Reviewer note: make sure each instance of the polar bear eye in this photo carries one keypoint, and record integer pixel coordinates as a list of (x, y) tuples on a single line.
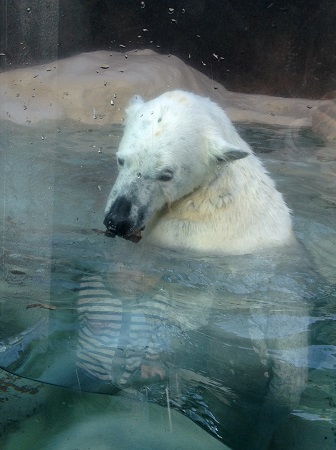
[(166, 175), (120, 161)]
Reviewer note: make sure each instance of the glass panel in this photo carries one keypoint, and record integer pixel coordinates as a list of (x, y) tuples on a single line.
[(174, 309)]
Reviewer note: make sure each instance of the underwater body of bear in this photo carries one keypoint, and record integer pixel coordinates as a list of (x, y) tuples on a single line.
[(187, 180)]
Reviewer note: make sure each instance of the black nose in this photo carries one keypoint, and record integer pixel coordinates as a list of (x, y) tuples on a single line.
[(118, 219), (119, 227)]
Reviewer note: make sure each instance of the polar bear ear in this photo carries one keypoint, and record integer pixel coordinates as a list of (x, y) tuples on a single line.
[(226, 152), (233, 155), (134, 105)]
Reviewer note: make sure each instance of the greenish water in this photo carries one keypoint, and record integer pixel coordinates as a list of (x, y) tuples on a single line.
[(243, 347)]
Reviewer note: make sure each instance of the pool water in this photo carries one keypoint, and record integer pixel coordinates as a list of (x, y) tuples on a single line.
[(103, 340)]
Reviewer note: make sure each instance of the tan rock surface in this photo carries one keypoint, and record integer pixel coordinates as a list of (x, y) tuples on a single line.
[(324, 120), (94, 88)]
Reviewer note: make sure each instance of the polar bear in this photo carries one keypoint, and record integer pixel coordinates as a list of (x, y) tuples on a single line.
[(188, 181)]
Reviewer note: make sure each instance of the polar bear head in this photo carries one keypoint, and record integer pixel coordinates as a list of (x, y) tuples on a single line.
[(171, 146)]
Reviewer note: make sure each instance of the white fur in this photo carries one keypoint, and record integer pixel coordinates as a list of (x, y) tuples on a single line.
[(220, 199)]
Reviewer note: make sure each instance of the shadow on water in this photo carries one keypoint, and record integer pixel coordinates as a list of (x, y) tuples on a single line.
[(243, 346)]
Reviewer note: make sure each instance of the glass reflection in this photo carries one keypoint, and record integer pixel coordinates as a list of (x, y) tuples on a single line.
[(227, 342)]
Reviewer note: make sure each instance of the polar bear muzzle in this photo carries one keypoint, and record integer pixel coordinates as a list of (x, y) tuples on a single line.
[(119, 221)]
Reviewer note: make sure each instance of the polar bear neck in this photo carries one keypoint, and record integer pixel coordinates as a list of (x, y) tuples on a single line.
[(239, 211)]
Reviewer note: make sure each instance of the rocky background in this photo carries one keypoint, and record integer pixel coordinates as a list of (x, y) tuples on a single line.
[(273, 47)]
